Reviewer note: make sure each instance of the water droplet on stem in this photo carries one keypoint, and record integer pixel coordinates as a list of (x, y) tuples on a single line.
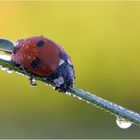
[(123, 123), (32, 82), (3, 68), (9, 71)]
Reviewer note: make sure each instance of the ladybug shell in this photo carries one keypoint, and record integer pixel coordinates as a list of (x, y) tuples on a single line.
[(39, 55)]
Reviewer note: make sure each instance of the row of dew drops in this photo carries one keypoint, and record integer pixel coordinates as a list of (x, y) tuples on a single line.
[(121, 122)]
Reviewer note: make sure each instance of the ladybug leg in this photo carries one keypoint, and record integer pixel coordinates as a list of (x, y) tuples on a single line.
[(32, 83)]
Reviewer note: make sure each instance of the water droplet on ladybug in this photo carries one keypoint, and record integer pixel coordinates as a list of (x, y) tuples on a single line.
[(123, 123)]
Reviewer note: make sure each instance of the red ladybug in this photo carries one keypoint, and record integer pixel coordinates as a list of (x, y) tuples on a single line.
[(43, 57)]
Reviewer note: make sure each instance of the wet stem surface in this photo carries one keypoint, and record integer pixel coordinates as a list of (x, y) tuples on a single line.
[(124, 116)]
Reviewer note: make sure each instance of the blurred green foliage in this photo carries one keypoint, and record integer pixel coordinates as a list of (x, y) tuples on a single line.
[(102, 39)]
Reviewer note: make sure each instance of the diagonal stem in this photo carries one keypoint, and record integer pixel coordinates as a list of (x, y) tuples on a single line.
[(88, 97), (108, 106)]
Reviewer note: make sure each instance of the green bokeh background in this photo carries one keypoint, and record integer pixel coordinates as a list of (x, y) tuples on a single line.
[(103, 40)]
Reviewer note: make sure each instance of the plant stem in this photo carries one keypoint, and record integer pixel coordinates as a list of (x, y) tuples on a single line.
[(108, 106), (99, 102)]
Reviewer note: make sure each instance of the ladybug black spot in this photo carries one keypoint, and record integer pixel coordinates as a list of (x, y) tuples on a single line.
[(35, 63), (40, 43)]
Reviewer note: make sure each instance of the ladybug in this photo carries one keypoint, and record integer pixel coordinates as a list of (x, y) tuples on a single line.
[(42, 57)]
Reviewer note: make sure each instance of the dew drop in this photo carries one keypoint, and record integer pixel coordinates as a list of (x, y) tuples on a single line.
[(9, 71), (5, 57), (33, 86), (88, 102), (73, 95), (3, 68), (79, 98), (123, 123), (68, 93), (32, 82)]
